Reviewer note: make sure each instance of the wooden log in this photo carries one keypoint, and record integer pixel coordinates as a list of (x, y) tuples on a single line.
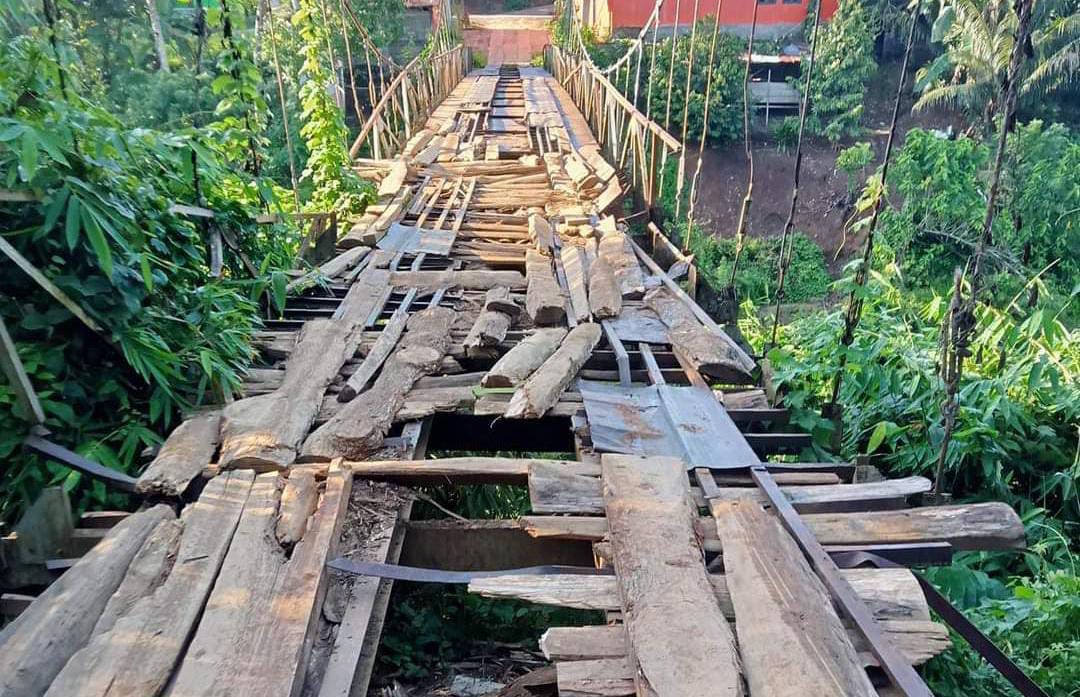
[(665, 592), (147, 571), (384, 345), (541, 390), (524, 359), (498, 299), (543, 299), (298, 501), (137, 656), (573, 261), (978, 526), (783, 614), (37, 644), (359, 426), (186, 452), (469, 280), (616, 251), (266, 431), (705, 350), (487, 331), (261, 647), (541, 234)]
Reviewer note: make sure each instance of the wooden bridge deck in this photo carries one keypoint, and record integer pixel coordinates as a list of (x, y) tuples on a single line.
[(491, 303)]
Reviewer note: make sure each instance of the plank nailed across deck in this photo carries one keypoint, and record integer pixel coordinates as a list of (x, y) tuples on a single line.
[(666, 594)]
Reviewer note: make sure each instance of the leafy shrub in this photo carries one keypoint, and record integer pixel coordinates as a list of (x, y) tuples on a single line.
[(786, 133), (808, 278), (853, 162), (845, 61), (515, 5)]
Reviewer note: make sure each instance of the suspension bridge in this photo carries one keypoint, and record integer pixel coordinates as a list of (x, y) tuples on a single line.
[(497, 303)]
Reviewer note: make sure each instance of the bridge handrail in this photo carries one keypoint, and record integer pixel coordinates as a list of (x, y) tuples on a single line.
[(421, 85), (626, 134)]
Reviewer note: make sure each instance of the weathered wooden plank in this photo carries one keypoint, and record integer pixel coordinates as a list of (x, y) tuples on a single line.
[(541, 234), (791, 641), (543, 298), (469, 280), (147, 571), (573, 261), (885, 490), (37, 644), (384, 345), (604, 677), (662, 580), (499, 300), (136, 657), (708, 352), (917, 640), (615, 249), (298, 501), (186, 452), (488, 331), (463, 470), (524, 358), (555, 488), (359, 426), (542, 389), (979, 526)]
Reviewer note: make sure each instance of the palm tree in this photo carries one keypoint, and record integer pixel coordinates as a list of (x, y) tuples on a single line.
[(978, 37)]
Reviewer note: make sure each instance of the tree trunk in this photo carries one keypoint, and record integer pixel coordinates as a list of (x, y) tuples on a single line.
[(159, 36)]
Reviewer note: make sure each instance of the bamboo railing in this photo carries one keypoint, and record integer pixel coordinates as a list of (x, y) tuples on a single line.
[(631, 141), (408, 99)]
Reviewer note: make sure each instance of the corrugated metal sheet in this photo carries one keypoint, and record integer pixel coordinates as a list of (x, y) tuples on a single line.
[(672, 420), (406, 238)]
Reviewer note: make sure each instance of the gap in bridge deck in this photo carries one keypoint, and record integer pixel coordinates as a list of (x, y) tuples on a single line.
[(465, 432)]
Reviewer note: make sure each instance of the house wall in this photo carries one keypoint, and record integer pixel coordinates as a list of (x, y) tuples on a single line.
[(774, 18)]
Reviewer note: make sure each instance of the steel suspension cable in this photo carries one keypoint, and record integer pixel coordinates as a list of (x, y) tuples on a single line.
[(670, 84), (748, 145), (862, 273), (680, 180), (961, 320), (704, 129), (787, 237)]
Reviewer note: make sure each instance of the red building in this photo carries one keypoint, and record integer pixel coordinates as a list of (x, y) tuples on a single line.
[(775, 17)]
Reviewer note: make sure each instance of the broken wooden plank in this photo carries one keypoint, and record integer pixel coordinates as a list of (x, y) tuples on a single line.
[(541, 390), (573, 261), (541, 234), (783, 614), (662, 581), (378, 354), (461, 470), (489, 330), (885, 490), (544, 300), (359, 426), (708, 352), (603, 677), (524, 358), (330, 269), (469, 280), (615, 249), (605, 298), (498, 299), (137, 656), (38, 643), (298, 501), (186, 452)]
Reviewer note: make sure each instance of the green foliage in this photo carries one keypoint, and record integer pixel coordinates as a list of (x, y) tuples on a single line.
[(1016, 436), (853, 162), (844, 62), (335, 186), (786, 133), (943, 185), (808, 278), (726, 96), (515, 5), (1036, 622)]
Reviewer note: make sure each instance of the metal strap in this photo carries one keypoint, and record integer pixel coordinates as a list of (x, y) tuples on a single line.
[(896, 666), (420, 575), (51, 450), (955, 619)]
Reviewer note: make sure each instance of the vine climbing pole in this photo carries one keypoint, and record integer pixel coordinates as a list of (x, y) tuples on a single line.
[(961, 321)]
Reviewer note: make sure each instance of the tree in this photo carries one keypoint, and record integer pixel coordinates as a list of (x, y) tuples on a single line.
[(978, 39), (845, 61), (159, 37)]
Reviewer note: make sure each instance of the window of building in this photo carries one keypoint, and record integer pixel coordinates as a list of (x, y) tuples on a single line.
[(792, 2), (766, 2)]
